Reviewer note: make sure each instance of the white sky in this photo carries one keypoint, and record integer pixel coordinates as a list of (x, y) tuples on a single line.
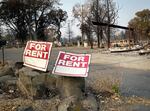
[(127, 11)]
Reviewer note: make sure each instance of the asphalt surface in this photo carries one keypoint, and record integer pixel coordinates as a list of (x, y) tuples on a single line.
[(136, 83)]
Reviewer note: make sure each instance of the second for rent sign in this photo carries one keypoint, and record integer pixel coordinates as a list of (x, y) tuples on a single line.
[(70, 64)]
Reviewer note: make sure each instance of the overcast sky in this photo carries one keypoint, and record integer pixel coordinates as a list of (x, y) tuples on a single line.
[(127, 9)]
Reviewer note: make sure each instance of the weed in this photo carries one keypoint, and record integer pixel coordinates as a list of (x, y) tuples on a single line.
[(108, 84)]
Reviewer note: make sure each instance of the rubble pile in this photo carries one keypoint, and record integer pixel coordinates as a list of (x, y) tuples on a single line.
[(8, 80), (16, 80), (147, 46), (145, 50)]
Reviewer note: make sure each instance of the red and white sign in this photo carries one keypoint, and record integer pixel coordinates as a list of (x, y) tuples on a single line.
[(70, 64), (36, 55)]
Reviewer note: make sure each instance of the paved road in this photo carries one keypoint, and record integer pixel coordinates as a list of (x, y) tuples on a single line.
[(136, 82), (16, 54)]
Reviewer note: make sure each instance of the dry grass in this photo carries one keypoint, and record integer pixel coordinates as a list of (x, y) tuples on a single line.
[(105, 84)]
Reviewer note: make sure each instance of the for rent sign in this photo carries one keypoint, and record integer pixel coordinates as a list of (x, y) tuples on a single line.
[(36, 54), (70, 64)]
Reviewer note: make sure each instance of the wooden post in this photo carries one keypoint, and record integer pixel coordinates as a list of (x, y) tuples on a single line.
[(129, 39), (3, 54)]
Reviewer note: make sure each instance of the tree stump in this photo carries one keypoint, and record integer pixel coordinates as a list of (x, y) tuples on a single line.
[(71, 86)]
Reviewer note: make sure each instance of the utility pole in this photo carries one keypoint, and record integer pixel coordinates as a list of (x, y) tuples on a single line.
[(97, 19), (30, 36), (82, 24), (69, 31), (108, 22)]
